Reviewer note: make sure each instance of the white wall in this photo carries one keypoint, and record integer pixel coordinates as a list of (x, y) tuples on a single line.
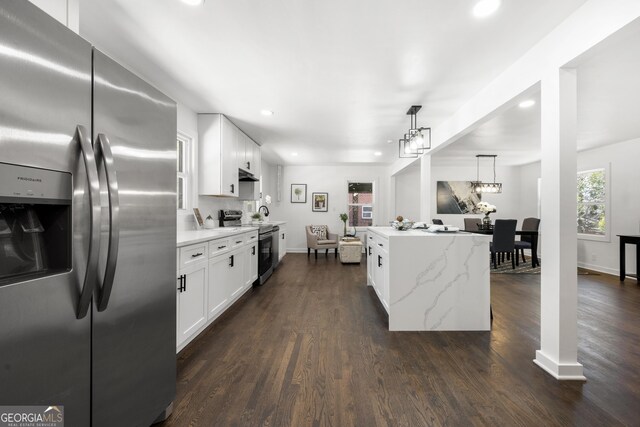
[(332, 180), (507, 202), (65, 11), (624, 211), (208, 205), (407, 197)]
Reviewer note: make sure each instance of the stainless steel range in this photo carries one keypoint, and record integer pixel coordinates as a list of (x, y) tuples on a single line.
[(233, 218)]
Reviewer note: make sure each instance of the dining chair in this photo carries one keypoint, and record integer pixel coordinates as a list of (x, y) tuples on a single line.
[(529, 224), (437, 221), (472, 224), (504, 237)]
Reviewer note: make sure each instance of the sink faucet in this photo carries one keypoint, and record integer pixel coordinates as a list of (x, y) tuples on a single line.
[(266, 210)]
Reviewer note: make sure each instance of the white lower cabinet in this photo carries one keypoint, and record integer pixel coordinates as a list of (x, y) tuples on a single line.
[(282, 245), (191, 304), (207, 287), (251, 264), (370, 257), (236, 283), (219, 276), (378, 270)]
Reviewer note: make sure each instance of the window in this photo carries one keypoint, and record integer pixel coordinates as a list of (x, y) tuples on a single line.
[(182, 157), (360, 204), (593, 204)]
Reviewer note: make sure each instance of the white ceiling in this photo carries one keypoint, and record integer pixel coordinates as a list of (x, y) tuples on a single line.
[(608, 96), (339, 75)]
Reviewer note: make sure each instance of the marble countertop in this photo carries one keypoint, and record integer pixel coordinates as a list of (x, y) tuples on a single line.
[(392, 232), (189, 237)]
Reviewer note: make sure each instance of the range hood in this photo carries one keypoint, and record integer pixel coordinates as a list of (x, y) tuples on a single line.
[(246, 176)]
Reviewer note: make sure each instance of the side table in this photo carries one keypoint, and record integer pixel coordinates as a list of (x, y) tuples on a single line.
[(624, 241)]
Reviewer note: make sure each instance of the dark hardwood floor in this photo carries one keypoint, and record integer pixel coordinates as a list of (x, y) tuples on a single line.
[(312, 347)]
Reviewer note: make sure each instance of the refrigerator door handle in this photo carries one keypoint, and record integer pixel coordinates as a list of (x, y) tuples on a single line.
[(104, 146), (81, 137)]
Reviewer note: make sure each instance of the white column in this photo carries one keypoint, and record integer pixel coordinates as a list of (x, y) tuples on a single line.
[(391, 209), (425, 188), (559, 284)]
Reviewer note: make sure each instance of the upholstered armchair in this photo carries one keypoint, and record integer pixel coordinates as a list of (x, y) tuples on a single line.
[(319, 237)]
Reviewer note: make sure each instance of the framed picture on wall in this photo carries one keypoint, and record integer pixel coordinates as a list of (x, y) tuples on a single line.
[(320, 202), (298, 193)]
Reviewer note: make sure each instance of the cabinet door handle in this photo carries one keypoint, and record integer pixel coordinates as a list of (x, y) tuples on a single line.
[(233, 190), (248, 165), (180, 281), (369, 250), (231, 261), (379, 261), (282, 236), (380, 244), (197, 255), (222, 247), (238, 242), (253, 250)]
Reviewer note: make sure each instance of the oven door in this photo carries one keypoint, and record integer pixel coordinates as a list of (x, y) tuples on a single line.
[(265, 246)]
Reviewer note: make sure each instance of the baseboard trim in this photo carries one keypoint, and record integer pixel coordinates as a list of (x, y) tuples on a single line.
[(601, 269), (563, 372)]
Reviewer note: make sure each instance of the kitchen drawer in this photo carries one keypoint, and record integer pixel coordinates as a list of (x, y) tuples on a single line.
[(219, 246), (251, 237), (237, 241), (193, 253)]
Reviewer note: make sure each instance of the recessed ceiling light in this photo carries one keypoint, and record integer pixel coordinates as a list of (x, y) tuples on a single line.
[(389, 141), (266, 112), (528, 103), (377, 153), (484, 8), (294, 154), (193, 2)]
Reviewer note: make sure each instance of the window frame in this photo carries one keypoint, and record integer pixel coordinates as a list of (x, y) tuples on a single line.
[(186, 174), (373, 203), (606, 237)]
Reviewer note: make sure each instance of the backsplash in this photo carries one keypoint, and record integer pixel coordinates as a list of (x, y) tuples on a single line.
[(210, 205)]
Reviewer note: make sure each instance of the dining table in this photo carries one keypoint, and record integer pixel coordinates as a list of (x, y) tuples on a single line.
[(535, 262)]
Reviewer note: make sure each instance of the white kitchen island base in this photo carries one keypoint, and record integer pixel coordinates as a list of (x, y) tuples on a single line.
[(430, 281)]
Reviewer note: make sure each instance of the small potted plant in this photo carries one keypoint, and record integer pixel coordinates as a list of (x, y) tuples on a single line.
[(256, 218), (209, 222), (344, 218)]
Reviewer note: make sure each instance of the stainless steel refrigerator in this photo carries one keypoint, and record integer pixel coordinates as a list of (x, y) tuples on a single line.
[(87, 228)]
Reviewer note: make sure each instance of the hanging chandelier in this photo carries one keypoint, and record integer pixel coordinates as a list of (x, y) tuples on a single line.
[(486, 187), (417, 140)]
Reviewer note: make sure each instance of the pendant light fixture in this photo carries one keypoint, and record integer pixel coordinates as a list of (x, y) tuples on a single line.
[(486, 187), (417, 140)]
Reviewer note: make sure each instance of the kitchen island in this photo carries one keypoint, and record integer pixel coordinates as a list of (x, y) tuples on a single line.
[(430, 281)]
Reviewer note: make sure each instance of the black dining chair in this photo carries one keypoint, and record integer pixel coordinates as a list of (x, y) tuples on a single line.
[(529, 224), (504, 237), (437, 221), (472, 224)]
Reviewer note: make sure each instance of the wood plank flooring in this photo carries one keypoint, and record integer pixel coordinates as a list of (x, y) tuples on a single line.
[(311, 348)]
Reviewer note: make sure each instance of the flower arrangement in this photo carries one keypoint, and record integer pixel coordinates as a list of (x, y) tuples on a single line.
[(402, 223), (486, 208)]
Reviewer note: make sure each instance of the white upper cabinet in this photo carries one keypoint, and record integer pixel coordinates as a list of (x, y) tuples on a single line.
[(223, 149), (217, 156), (248, 155)]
